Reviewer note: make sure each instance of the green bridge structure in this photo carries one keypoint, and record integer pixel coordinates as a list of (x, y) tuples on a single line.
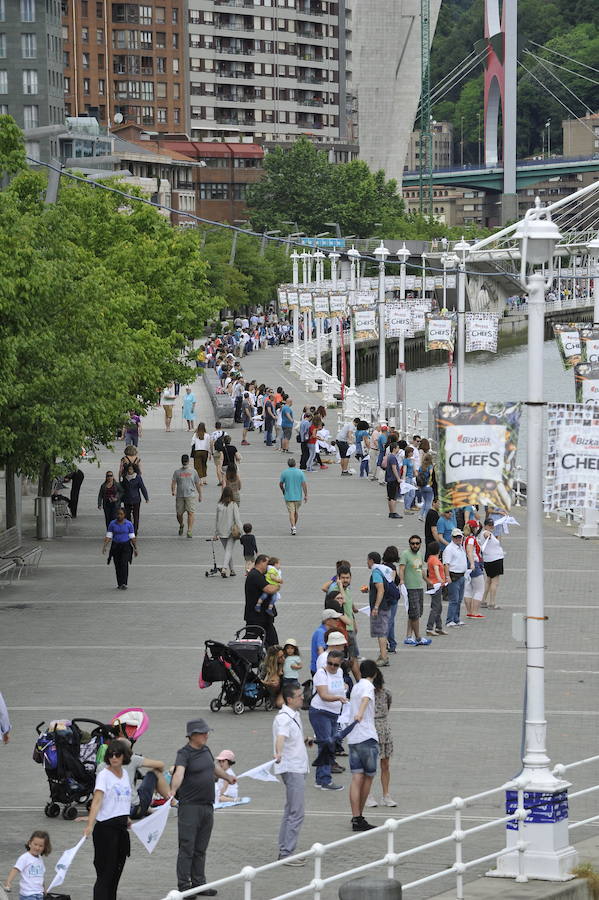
[(490, 177)]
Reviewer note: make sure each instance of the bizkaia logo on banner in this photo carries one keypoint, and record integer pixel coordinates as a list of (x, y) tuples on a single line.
[(579, 452), (474, 452)]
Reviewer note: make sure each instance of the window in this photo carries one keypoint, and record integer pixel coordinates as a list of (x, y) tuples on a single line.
[(3, 107), (175, 40), (84, 11), (147, 90), (176, 91), (146, 40), (30, 81), (175, 16), (145, 15), (85, 60), (27, 10), (161, 116), (239, 191), (210, 191), (85, 34), (99, 10), (176, 116), (65, 59), (161, 65), (175, 67), (101, 86), (147, 114), (32, 149), (161, 39), (86, 85), (100, 61), (3, 81), (160, 12), (161, 90), (28, 46), (67, 84), (99, 35), (2, 19), (31, 116)]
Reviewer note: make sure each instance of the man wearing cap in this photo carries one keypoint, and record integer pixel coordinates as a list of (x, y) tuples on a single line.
[(319, 643), (193, 785), (291, 763), (455, 563)]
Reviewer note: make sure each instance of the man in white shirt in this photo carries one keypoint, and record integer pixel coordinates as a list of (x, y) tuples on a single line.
[(455, 563), (345, 437), (291, 763), (363, 744)]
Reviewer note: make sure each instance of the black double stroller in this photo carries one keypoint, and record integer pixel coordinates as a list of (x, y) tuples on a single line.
[(236, 666)]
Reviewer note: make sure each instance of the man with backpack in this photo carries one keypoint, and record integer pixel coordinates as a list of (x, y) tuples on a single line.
[(378, 587)]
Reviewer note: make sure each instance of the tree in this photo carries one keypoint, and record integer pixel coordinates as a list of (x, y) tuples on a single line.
[(12, 147)]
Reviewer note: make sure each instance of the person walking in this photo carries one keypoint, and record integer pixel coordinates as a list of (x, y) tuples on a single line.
[(168, 401), (133, 429), (109, 497), (185, 483), (363, 743), (392, 479), (108, 819), (121, 537), (228, 528), (133, 489), (455, 563), (286, 424), (345, 437), (256, 585), (291, 763), (200, 452), (189, 406), (424, 482), (493, 555), (270, 418), (304, 430), (294, 488), (382, 706), (379, 606), (192, 784), (216, 449), (130, 457)]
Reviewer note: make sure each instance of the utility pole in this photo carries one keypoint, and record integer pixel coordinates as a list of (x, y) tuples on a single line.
[(425, 160)]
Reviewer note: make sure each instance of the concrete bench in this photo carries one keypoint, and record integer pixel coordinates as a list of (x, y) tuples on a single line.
[(222, 404)]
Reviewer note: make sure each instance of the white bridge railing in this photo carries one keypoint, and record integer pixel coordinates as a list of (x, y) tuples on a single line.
[(390, 858)]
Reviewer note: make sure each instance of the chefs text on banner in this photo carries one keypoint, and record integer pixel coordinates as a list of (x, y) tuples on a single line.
[(481, 332), (586, 381), (439, 331), (305, 302), (321, 306), (589, 344), (292, 298), (568, 342), (398, 319), (338, 304), (572, 456), (477, 453), (365, 323)]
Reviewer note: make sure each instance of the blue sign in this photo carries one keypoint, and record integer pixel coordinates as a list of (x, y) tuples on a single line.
[(544, 808), (331, 243)]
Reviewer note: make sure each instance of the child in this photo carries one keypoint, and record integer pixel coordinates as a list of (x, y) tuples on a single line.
[(293, 661), (250, 548), (30, 866), (225, 791), (273, 576), (435, 574)]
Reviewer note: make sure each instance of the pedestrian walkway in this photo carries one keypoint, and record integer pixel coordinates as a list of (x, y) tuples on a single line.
[(71, 644)]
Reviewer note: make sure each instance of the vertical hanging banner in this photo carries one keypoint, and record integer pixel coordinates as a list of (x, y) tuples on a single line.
[(365, 323), (321, 306), (398, 320), (283, 304), (586, 381), (481, 332), (589, 344), (338, 304), (439, 332), (305, 301), (364, 298), (477, 444), (568, 342), (292, 299), (572, 456), (419, 309)]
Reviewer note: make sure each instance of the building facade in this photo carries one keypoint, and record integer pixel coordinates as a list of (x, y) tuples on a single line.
[(268, 70), (581, 136), (31, 74), (126, 60), (442, 147)]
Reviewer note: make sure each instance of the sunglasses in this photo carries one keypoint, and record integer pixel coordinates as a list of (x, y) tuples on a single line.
[(115, 753), (415, 543), (333, 665)]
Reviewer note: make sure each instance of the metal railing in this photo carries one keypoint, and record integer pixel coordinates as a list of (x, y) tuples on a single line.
[(390, 859)]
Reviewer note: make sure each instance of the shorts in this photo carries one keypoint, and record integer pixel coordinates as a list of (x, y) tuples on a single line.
[(342, 447), (287, 433), (250, 559), (392, 488), (185, 504), (379, 624), (217, 457), (247, 423), (293, 505), (415, 603), (168, 412), (363, 757), (352, 647), (493, 569), (475, 588)]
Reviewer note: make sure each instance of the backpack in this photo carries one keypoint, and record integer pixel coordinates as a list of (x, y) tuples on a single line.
[(392, 593), (219, 443), (422, 478)]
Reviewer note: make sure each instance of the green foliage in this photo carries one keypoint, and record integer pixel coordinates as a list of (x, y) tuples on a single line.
[(12, 147)]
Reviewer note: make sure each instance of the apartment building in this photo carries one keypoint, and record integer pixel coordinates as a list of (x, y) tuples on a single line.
[(442, 147), (126, 62), (31, 79), (269, 70)]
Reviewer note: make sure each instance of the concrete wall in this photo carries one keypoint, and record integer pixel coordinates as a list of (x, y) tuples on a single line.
[(386, 76)]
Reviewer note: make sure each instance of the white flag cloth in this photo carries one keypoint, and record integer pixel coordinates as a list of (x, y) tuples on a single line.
[(435, 588), (403, 592), (365, 610), (62, 866), (261, 773), (149, 830), (405, 487), (504, 522), (226, 804)]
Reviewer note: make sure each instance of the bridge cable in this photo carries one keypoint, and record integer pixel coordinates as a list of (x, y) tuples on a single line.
[(563, 55), (566, 69), (541, 62), (555, 97)]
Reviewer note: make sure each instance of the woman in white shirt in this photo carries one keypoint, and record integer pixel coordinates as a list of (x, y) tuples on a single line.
[(108, 819), (493, 555), (325, 708), (200, 452)]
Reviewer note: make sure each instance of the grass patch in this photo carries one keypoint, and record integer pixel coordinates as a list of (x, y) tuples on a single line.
[(588, 871)]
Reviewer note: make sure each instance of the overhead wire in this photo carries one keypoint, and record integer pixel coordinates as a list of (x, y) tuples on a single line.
[(461, 71)]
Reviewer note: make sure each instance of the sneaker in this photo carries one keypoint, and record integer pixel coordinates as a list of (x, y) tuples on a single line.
[(395, 516), (478, 616), (336, 769), (293, 529), (411, 642), (450, 624), (359, 823), (431, 632), (232, 573), (381, 663), (459, 624), (423, 642), (245, 443), (371, 803), (180, 530), (439, 631), (324, 467), (471, 616), (408, 512), (346, 473), (331, 786), (189, 534), (298, 861), (391, 649), (388, 801)]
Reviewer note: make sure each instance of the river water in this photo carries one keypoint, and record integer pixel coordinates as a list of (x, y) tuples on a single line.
[(489, 376)]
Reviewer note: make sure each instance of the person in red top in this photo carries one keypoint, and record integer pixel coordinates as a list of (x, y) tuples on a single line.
[(475, 587), (435, 575), (315, 425)]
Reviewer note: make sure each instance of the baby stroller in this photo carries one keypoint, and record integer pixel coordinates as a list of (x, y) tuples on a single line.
[(236, 665), (68, 754)]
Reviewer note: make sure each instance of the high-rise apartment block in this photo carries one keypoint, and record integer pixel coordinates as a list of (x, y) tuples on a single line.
[(31, 77), (126, 59), (269, 69)]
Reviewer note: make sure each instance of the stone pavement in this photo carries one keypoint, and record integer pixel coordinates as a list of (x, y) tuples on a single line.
[(71, 646)]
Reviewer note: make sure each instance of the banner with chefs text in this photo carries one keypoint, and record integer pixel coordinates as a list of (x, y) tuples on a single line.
[(439, 333), (567, 336), (481, 332), (572, 456), (365, 323), (477, 453), (321, 306), (398, 319), (586, 382), (589, 344)]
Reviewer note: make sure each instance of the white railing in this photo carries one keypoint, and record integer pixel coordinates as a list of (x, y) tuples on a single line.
[(390, 859), (552, 306), (567, 517)]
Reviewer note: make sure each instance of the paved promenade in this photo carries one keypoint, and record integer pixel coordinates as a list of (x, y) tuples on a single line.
[(71, 645)]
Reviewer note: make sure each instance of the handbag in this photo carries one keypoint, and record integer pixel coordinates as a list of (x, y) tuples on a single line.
[(235, 531)]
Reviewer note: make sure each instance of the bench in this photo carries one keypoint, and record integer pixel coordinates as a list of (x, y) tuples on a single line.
[(14, 558)]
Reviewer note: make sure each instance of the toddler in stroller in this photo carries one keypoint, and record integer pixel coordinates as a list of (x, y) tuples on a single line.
[(236, 666)]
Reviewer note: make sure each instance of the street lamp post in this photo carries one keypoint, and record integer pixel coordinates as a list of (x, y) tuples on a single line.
[(547, 854), (334, 259), (319, 258), (589, 527), (403, 254), (381, 254), (307, 316), (264, 238), (295, 258), (354, 259), (423, 290), (461, 249)]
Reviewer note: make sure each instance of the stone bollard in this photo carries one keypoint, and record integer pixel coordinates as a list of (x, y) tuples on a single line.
[(371, 887)]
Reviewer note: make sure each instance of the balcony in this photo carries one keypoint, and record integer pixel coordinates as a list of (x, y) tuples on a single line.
[(310, 79), (235, 26), (305, 31), (238, 50), (237, 73), (243, 4), (310, 9)]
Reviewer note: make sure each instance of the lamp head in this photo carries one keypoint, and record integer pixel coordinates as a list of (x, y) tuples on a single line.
[(295, 256), (334, 256), (538, 236), (381, 253), (353, 254), (403, 254), (318, 255), (462, 248)]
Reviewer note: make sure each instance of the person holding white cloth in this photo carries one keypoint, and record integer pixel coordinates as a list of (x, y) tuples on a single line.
[(493, 555), (456, 565), (291, 763)]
